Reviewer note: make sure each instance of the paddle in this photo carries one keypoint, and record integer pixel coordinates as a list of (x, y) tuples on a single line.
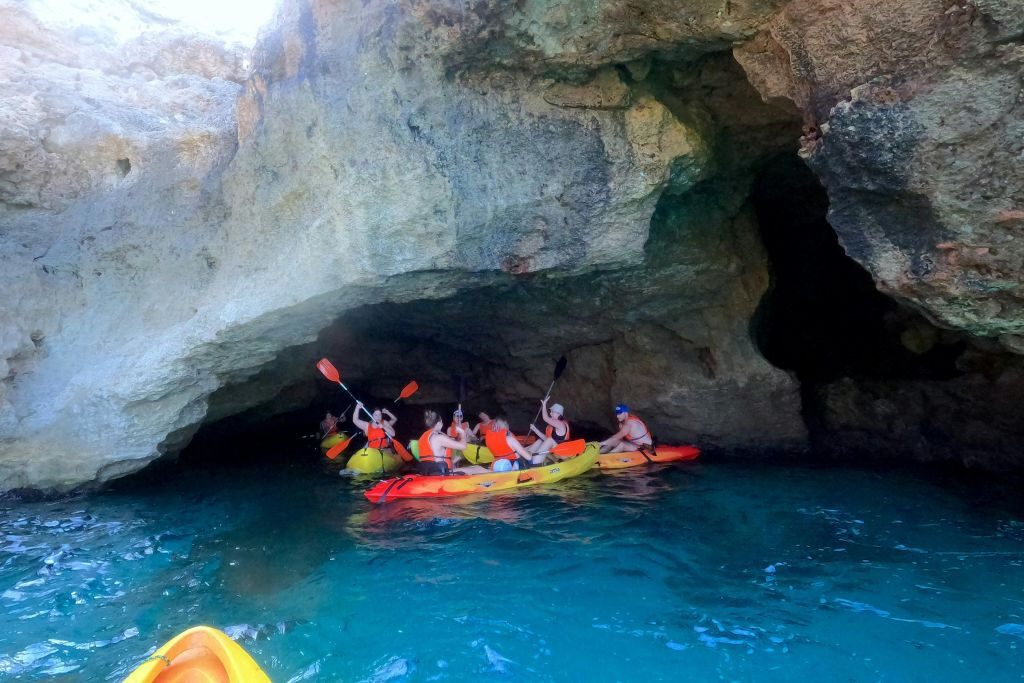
[(568, 449), (328, 370), (559, 369)]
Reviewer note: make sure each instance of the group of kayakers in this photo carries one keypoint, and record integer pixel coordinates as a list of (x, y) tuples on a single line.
[(440, 449)]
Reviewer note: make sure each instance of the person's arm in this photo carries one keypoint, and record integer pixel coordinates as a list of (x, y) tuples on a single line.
[(544, 413), (455, 444), (391, 417), (514, 444), (388, 429), (361, 424), (539, 433), (617, 436)]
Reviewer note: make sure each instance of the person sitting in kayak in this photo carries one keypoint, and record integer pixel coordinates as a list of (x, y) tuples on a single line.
[(508, 452), (484, 426), (380, 431), (557, 431), (458, 420), (435, 447), (633, 433), (329, 425)]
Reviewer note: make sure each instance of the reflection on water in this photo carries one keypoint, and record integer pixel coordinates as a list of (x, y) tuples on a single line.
[(708, 570)]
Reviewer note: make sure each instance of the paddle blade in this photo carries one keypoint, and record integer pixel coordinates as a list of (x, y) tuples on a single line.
[(402, 451), (410, 389), (335, 450), (328, 370), (560, 366), (569, 448)]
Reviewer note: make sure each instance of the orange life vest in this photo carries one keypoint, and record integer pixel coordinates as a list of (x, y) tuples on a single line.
[(634, 439), (427, 453), (550, 433), (497, 443), (376, 437), (455, 435)]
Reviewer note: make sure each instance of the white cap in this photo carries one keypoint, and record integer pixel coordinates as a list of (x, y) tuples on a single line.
[(557, 408)]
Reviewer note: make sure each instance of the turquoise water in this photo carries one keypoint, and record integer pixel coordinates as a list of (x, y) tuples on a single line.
[(707, 571)]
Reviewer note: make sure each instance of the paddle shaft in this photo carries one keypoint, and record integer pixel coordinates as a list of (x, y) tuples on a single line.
[(546, 397)]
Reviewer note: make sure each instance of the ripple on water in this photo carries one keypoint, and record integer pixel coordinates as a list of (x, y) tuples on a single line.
[(722, 571)]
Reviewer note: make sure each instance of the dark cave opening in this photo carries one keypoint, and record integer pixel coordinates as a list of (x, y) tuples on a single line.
[(822, 317)]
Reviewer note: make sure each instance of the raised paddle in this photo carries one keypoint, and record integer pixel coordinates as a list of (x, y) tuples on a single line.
[(559, 369), (409, 389), (328, 370)]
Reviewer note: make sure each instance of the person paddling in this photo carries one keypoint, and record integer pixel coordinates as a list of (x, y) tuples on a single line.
[(506, 448), (557, 430), (380, 431), (633, 434), (329, 425), (436, 448)]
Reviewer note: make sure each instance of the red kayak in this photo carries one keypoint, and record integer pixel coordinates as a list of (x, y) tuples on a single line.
[(617, 461)]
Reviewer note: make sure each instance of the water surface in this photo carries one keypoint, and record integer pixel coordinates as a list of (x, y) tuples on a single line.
[(723, 571)]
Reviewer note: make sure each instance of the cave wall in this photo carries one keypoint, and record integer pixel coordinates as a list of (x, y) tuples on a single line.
[(497, 183)]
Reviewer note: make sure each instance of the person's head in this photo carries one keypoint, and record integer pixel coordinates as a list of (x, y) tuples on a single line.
[(328, 416), (484, 417), (621, 412), (499, 423), (431, 419), (458, 416), (377, 415), (557, 410)]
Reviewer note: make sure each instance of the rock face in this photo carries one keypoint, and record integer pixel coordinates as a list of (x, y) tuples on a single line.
[(916, 129), (443, 189)]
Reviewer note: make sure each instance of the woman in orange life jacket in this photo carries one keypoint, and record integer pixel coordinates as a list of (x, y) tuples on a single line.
[(506, 447), (457, 423), (380, 430), (633, 434), (557, 431), (484, 426), (436, 447)]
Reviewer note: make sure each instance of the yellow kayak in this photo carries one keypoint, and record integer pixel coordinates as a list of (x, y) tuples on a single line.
[(199, 655), (373, 461), (332, 439), (474, 453), (416, 486), (478, 455)]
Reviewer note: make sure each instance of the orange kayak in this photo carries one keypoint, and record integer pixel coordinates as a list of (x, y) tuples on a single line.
[(418, 486), (617, 461)]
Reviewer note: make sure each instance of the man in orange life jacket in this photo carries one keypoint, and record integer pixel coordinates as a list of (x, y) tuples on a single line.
[(380, 431), (633, 433)]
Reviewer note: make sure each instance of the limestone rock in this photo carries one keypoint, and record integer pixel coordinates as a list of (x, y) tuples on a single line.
[(915, 126)]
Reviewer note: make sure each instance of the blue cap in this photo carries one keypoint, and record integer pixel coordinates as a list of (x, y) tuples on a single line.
[(621, 408)]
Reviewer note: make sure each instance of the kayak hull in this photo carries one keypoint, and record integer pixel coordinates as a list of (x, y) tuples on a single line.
[(417, 486), (199, 655), (332, 439), (618, 461), (373, 461), (478, 455)]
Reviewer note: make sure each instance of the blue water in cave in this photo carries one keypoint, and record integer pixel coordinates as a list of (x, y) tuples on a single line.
[(708, 570)]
